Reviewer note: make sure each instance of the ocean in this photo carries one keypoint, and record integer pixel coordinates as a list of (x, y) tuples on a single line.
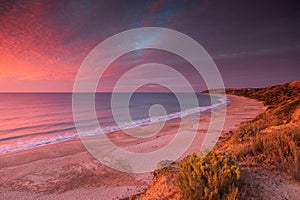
[(29, 120)]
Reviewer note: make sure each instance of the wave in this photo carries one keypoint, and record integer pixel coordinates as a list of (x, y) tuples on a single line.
[(37, 142)]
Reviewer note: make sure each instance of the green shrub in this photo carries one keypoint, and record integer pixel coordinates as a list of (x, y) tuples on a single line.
[(212, 177), (164, 168), (165, 164)]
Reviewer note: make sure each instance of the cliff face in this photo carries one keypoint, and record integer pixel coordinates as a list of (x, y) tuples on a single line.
[(282, 100), (271, 95), (281, 119), (271, 141), (268, 147)]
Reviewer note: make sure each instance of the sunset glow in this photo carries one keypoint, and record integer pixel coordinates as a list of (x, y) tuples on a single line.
[(44, 43)]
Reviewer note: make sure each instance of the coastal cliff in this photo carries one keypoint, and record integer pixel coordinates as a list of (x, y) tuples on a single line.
[(265, 150)]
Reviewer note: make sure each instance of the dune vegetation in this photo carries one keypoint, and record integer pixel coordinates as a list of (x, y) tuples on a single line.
[(272, 139), (213, 176), (270, 142)]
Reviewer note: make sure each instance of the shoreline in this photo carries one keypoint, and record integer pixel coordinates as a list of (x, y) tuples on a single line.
[(169, 119), (65, 170)]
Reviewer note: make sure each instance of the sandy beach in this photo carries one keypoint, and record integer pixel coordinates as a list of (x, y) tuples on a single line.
[(67, 171)]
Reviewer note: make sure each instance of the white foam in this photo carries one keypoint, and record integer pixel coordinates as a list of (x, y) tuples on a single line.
[(37, 142)]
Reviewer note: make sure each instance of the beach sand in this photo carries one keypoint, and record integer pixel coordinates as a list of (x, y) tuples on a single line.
[(67, 171)]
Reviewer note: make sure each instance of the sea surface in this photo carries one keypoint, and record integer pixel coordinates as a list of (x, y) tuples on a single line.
[(29, 120)]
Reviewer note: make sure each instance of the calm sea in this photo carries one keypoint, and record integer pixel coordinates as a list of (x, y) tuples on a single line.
[(29, 120)]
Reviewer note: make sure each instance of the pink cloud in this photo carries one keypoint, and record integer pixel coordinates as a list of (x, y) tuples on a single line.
[(154, 8)]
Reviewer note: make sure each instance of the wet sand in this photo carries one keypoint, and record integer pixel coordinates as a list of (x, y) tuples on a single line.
[(67, 170)]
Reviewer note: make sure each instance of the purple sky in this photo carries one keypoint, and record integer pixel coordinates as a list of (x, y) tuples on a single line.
[(43, 43)]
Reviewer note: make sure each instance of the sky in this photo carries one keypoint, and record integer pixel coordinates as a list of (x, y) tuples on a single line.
[(43, 43)]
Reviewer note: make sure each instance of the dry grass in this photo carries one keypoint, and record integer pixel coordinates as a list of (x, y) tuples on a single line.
[(278, 148), (272, 139)]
